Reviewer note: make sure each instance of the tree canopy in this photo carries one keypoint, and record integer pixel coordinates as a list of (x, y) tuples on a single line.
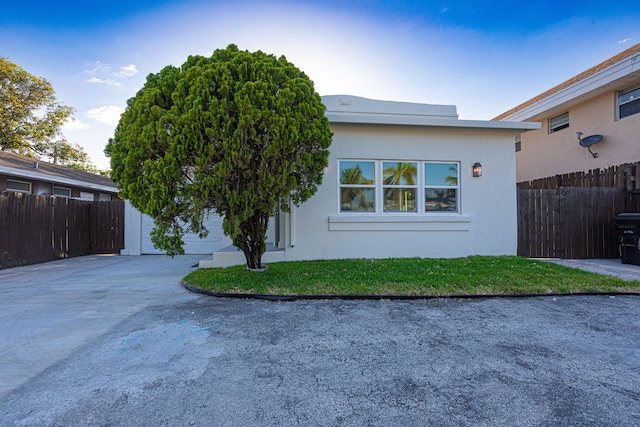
[(31, 118), (239, 133)]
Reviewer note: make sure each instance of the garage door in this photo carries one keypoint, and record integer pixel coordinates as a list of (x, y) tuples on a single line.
[(192, 244)]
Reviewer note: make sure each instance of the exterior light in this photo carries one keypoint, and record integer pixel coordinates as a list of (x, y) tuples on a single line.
[(477, 169)]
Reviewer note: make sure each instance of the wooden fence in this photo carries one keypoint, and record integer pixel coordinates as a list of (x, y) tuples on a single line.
[(571, 215), (35, 229)]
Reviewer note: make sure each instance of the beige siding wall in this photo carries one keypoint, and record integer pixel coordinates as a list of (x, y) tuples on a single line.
[(545, 154)]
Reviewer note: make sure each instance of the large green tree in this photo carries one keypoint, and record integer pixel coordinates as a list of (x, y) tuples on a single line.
[(31, 118), (239, 133)]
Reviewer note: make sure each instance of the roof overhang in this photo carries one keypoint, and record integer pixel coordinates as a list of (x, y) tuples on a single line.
[(21, 173), (613, 77)]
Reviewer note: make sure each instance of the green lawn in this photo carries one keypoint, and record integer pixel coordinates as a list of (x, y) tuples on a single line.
[(477, 275)]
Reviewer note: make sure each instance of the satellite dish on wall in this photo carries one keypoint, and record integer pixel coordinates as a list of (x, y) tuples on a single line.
[(588, 141)]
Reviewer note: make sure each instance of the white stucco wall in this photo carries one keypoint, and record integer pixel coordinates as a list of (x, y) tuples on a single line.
[(485, 225), (137, 239), (486, 221)]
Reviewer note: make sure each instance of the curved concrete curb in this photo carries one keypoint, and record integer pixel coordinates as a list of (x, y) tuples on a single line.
[(389, 297)]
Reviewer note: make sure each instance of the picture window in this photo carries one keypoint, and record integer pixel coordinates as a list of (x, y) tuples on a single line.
[(396, 186)]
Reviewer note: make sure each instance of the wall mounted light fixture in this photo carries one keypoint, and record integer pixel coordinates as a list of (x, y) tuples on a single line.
[(477, 169)]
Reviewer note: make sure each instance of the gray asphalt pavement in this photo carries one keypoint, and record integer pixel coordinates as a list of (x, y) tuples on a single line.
[(115, 341)]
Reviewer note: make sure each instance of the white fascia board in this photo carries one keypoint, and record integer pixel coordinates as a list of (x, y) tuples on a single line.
[(414, 120), (581, 88), (21, 173)]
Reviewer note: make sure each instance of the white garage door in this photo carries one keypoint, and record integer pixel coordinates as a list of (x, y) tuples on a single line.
[(192, 244)]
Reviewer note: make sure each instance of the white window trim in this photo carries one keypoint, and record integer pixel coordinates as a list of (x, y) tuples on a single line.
[(420, 190), (20, 182), (618, 104)]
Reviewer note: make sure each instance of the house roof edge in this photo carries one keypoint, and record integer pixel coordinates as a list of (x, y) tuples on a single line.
[(357, 110), (581, 77), (21, 173)]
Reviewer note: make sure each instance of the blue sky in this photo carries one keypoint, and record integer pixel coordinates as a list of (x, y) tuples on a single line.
[(485, 57)]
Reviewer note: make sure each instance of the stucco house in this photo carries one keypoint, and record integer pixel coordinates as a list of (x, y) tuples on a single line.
[(401, 183), (603, 101), (24, 174)]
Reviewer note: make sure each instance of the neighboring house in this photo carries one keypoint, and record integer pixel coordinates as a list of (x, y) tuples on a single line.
[(24, 174), (400, 183), (27, 175), (602, 101)]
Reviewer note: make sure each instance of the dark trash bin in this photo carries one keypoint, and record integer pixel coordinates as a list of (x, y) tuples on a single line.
[(628, 225)]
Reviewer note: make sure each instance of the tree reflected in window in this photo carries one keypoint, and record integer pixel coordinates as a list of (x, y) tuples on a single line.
[(401, 187), (357, 186), (399, 183), (441, 187)]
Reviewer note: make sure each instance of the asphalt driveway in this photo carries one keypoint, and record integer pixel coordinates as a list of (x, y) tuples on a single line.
[(102, 341)]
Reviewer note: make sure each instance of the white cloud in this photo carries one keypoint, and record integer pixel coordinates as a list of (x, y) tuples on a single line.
[(98, 68), (74, 124), (100, 73), (128, 70), (623, 41), (104, 81), (109, 114)]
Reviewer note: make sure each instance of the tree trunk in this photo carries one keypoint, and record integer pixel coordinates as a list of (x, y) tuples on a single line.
[(254, 260), (253, 231)]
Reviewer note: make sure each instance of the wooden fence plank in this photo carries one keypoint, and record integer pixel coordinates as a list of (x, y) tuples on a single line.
[(577, 220), (107, 232), (569, 222), (35, 229)]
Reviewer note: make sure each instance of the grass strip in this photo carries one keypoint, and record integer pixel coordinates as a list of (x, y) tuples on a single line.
[(476, 275)]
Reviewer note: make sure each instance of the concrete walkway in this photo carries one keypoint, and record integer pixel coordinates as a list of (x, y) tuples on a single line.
[(47, 311), (609, 267)]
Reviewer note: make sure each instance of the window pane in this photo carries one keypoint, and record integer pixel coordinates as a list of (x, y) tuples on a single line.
[(399, 173), (357, 173), (441, 174), (18, 186), (631, 95), (559, 122), (440, 200), (400, 200), (357, 199), (60, 191), (630, 108)]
